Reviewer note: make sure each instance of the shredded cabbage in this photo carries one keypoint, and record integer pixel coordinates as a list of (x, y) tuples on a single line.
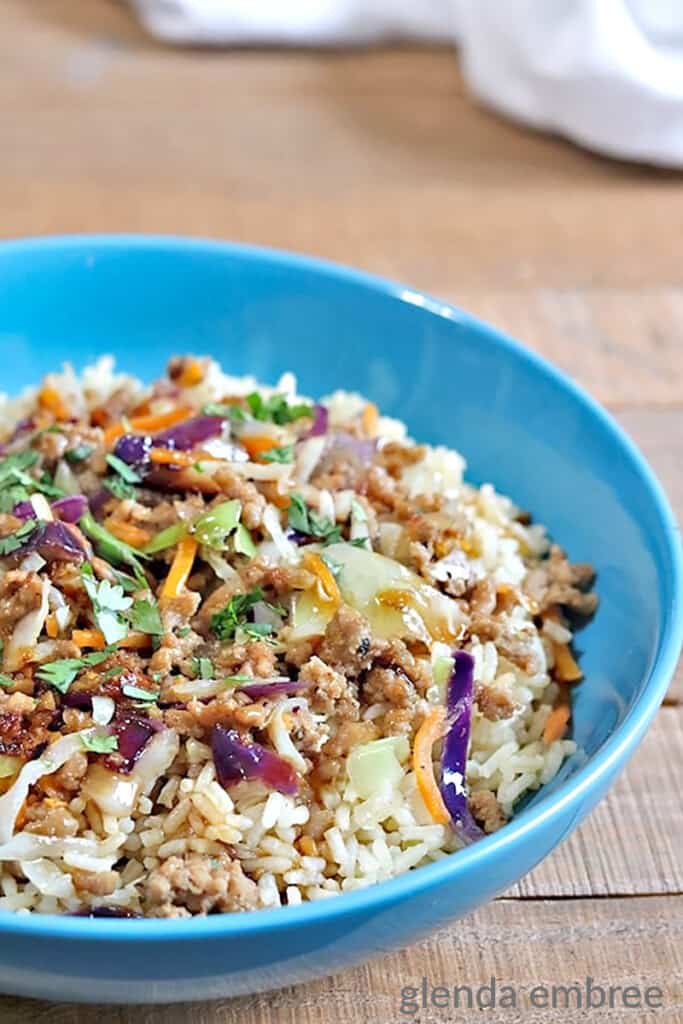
[(377, 765), (52, 759)]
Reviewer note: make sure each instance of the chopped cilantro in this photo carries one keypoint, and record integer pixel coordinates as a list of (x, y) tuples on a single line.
[(47, 487), (111, 673), (138, 693), (62, 673), (11, 496), (359, 542), (6, 681), (228, 410), (119, 488), (238, 680), (283, 454), (305, 520), (257, 630), (276, 409), (79, 454), (144, 615), (99, 744), (108, 600), (184, 631), (13, 468), (18, 538), (225, 622)]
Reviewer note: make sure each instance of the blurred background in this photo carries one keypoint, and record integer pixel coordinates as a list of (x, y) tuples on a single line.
[(378, 156)]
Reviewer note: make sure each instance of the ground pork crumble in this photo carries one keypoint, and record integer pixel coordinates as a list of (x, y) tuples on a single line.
[(217, 599)]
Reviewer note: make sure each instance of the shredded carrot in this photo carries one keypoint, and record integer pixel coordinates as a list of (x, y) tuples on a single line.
[(51, 627), (181, 567), (556, 723), (430, 731), (370, 419), (566, 669), (315, 564), (141, 409), (94, 638), (256, 444), (169, 457), (49, 398), (148, 424), (129, 533), (192, 374), (88, 638)]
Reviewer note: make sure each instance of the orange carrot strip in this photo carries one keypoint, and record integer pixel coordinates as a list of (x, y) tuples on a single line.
[(49, 398), (169, 457), (430, 731), (370, 419), (88, 638), (180, 568), (315, 564), (566, 669), (557, 723), (51, 627), (256, 444), (148, 424), (192, 374), (135, 641), (129, 533)]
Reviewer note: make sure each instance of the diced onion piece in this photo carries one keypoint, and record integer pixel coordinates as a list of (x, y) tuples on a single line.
[(41, 507), (48, 878), (33, 562), (271, 521), (377, 765), (114, 793), (51, 759), (155, 759), (20, 645), (9, 765), (279, 733), (102, 710), (308, 455)]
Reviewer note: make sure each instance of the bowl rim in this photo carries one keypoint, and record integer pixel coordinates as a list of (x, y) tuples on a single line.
[(610, 757)]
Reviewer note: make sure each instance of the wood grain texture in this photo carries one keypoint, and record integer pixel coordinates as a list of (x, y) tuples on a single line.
[(555, 942), (380, 159)]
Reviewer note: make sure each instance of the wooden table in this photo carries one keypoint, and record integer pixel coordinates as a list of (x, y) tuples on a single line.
[(380, 159)]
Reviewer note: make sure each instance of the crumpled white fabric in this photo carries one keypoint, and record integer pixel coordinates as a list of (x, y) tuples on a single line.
[(606, 73)]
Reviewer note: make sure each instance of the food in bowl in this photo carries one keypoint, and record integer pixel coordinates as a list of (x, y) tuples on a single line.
[(256, 649)]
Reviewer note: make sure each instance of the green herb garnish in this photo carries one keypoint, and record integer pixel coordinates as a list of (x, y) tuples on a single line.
[(6, 681), (99, 744), (303, 519), (108, 600), (225, 623), (62, 673), (79, 454), (213, 527), (257, 630), (144, 615), (276, 409), (137, 693), (18, 538), (165, 538), (111, 548), (283, 454), (203, 668), (233, 412)]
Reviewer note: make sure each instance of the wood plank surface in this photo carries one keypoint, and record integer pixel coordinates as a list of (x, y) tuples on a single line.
[(380, 159), (549, 942)]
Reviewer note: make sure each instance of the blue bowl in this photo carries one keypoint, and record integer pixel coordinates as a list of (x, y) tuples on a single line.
[(455, 380)]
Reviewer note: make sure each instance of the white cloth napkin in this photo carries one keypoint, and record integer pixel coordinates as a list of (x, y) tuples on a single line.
[(606, 73)]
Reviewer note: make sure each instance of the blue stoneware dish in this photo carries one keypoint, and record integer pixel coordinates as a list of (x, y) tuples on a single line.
[(521, 424)]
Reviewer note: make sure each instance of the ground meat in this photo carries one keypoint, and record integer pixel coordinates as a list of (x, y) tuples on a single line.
[(394, 654), (8, 524), (557, 581), (280, 578), (97, 883), (50, 817), (255, 658), (253, 502), (67, 780), (20, 593), (482, 597), (389, 495), (24, 725), (493, 704), (332, 693), (486, 810), (347, 644), (196, 883), (516, 645), (215, 602), (394, 456), (177, 611)]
